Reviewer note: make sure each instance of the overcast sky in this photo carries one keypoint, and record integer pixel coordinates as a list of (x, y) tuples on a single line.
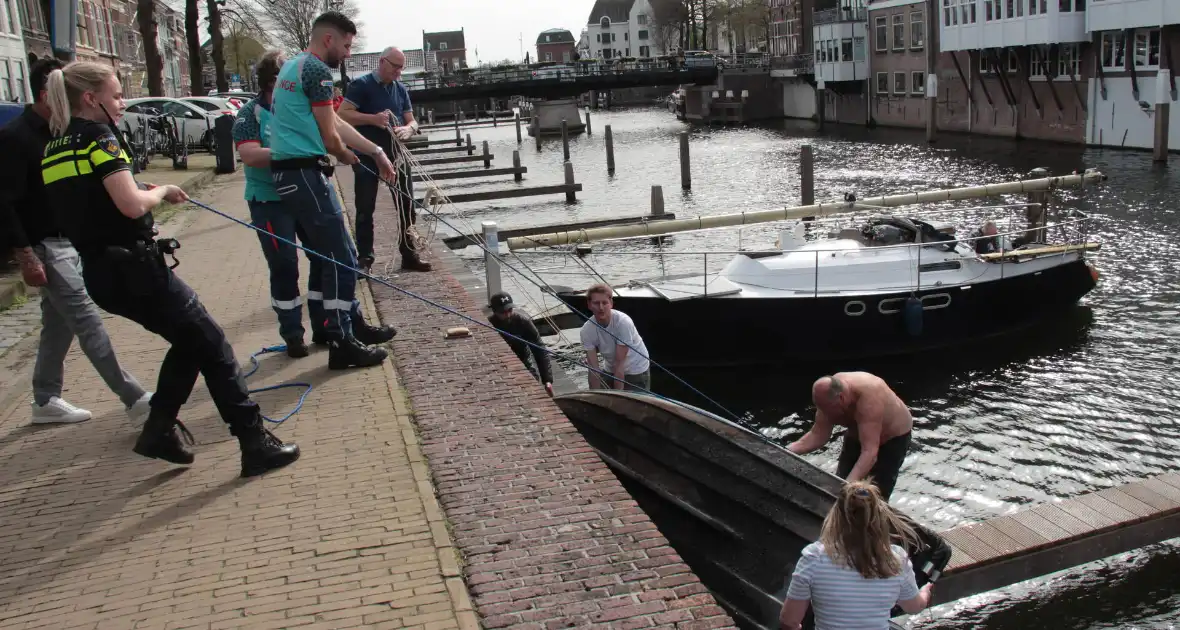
[(494, 28)]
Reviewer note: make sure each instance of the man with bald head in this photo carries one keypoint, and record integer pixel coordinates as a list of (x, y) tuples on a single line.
[(378, 105), (878, 422)]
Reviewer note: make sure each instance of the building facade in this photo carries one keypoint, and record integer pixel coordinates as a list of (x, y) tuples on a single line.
[(556, 44), (1015, 68), (34, 20), (1133, 71), (791, 57), (622, 28), (449, 48), (14, 69), (897, 48)]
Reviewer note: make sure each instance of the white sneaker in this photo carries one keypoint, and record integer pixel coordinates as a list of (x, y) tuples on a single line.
[(58, 411), (138, 411)]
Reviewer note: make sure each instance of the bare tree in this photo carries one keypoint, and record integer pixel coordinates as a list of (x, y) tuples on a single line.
[(192, 33), (146, 16), (217, 45), (668, 24), (290, 20)]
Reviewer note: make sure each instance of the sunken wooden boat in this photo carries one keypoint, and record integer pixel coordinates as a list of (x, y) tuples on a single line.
[(737, 507)]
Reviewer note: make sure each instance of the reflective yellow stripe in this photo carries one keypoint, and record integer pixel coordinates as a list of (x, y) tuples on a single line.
[(57, 157), (66, 169), (100, 157)]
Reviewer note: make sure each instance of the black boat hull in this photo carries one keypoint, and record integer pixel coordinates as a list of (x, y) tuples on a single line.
[(755, 331), (737, 508)]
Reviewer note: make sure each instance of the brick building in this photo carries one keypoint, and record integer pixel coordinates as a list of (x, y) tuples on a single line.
[(449, 48), (898, 47), (556, 44)]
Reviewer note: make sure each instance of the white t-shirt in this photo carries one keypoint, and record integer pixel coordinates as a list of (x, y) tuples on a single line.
[(624, 331), (842, 598)]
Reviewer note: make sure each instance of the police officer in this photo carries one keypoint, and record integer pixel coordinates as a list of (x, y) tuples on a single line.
[(378, 105), (304, 128), (108, 218), (267, 213)]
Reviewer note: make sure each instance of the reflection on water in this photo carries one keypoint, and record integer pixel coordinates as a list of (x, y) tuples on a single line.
[(1085, 402)]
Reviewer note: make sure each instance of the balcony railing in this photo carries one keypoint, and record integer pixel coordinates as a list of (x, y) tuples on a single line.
[(831, 16), (799, 63)]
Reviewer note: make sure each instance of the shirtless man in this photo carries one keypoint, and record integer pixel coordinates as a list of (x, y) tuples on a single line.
[(878, 422)]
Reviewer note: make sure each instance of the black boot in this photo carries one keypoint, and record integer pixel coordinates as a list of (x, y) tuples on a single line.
[(261, 450), (166, 439), (319, 338), (296, 349), (348, 352), (371, 335), (365, 263)]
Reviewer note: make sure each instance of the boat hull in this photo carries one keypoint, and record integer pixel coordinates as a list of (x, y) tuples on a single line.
[(736, 330), (737, 508)]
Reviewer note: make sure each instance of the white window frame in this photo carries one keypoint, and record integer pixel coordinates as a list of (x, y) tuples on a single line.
[(882, 43), (1038, 63), (898, 20), (917, 30), (985, 64), (882, 75), (914, 87), (968, 11), (950, 17), (1069, 63), (1142, 42), (1118, 48), (902, 90)]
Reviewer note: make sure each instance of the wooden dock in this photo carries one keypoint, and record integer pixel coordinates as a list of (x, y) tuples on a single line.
[(457, 160), (1055, 536), (491, 172)]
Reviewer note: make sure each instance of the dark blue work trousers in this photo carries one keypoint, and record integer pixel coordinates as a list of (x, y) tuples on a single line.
[(283, 261), (309, 197)]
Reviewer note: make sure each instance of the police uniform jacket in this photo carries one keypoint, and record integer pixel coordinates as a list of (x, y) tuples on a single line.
[(73, 169)]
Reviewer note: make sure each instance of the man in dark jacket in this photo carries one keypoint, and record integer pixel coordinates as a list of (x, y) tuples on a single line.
[(506, 320)]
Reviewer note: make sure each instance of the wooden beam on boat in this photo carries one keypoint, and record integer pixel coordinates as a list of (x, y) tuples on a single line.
[(415, 144), (464, 240), (511, 193), (456, 160), (1056, 536), (1041, 251), (661, 228), (469, 149), (508, 170)]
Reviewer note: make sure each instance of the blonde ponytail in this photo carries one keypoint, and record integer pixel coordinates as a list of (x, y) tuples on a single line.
[(65, 88), (58, 102)]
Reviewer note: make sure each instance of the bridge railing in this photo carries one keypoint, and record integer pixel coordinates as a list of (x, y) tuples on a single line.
[(564, 71), (800, 63)]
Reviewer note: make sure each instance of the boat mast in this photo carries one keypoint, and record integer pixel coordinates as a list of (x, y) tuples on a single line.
[(659, 228)]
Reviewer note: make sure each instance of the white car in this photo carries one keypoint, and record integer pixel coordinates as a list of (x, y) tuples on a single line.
[(194, 122), (215, 104)]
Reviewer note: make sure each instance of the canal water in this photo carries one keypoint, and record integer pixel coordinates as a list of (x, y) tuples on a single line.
[(1086, 402)]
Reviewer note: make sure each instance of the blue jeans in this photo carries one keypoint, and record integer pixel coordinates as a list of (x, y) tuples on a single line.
[(283, 261), (309, 197)]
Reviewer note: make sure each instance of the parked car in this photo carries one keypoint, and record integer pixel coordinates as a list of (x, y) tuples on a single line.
[(193, 122), (217, 105), (238, 97)]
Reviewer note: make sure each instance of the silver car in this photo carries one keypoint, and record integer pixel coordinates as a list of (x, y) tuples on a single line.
[(193, 122)]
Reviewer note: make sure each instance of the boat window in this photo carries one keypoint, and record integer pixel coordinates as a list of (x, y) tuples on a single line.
[(891, 306), (854, 308), (935, 301), (946, 265)]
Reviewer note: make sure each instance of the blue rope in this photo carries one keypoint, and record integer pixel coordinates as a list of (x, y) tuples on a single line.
[(269, 388), (442, 307), (394, 190)]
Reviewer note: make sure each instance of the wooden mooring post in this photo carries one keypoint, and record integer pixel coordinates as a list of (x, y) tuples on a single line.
[(519, 139), (685, 171), (657, 201), (610, 150), (430, 117), (487, 155), (588, 131), (518, 172), (807, 175), (570, 196), (491, 262), (565, 139), (458, 134), (537, 134)]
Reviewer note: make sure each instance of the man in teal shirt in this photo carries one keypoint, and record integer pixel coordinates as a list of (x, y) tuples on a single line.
[(303, 130), (267, 214)]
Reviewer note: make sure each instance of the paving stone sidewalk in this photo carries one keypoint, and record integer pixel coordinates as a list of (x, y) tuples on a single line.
[(94, 536)]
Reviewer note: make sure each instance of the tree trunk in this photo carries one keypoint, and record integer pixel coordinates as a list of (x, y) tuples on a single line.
[(192, 32), (146, 10), (217, 45)]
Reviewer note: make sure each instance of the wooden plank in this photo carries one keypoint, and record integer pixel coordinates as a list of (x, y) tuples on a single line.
[(455, 160), (1095, 502), (1129, 503), (459, 242), (1166, 490), (1019, 532), (511, 193), (1172, 479), (1040, 525), (963, 538), (1147, 495), (469, 150), (1059, 517), (487, 172), (414, 144), (1091, 517)]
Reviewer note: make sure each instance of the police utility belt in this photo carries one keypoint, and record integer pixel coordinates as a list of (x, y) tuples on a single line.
[(146, 250), (320, 162)]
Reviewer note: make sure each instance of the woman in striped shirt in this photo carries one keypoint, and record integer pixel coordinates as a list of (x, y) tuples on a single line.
[(854, 574)]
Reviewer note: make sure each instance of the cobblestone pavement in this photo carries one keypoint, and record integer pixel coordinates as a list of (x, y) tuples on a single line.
[(18, 321)]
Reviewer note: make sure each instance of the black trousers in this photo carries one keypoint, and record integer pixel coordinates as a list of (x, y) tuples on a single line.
[(889, 459), (367, 185), (148, 293)]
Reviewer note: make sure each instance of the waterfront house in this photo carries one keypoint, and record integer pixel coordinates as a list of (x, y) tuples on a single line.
[(556, 44), (898, 42)]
